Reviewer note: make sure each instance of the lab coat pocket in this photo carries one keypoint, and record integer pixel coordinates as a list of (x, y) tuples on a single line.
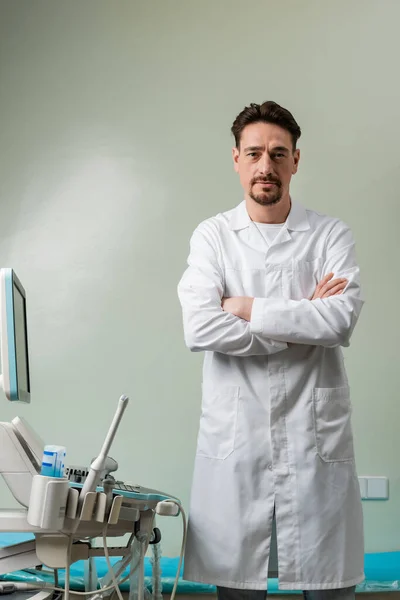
[(307, 275), (218, 421), (332, 424)]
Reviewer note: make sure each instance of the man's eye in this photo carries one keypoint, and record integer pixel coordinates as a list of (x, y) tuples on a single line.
[(252, 154)]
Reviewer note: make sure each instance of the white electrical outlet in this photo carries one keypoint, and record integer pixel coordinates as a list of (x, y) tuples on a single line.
[(378, 488), (374, 488)]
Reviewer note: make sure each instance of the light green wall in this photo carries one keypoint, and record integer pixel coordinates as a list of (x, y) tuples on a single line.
[(115, 144)]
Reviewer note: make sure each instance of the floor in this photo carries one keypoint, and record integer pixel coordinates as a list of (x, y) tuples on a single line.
[(365, 596)]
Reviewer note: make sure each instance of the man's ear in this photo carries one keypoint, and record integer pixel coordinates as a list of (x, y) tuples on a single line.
[(235, 156), (296, 156)]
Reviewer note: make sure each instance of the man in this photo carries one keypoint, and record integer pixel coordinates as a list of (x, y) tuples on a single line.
[(271, 293)]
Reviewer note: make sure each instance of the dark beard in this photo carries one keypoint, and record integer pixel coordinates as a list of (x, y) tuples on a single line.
[(268, 198)]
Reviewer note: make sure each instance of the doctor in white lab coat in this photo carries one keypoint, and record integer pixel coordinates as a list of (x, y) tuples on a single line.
[(270, 295)]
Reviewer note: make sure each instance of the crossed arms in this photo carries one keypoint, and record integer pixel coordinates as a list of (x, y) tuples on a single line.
[(256, 326)]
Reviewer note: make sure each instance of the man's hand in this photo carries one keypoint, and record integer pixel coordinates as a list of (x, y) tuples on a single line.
[(240, 306), (329, 287)]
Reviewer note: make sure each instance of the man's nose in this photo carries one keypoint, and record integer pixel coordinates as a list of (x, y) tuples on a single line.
[(265, 164)]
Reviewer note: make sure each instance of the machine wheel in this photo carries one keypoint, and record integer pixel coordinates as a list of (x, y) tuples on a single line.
[(156, 536)]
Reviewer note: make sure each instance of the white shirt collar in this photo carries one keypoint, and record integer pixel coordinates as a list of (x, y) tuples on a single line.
[(297, 219)]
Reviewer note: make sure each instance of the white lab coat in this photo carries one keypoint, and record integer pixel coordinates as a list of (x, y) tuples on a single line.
[(275, 429)]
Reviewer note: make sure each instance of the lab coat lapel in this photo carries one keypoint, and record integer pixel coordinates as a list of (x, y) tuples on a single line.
[(240, 221)]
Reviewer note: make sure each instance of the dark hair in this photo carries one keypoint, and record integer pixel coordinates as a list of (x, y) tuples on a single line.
[(268, 112)]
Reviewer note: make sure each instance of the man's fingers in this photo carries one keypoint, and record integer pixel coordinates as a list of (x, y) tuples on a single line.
[(331, 284), (321, 284), (325, 280), (337, 289), (329, 287)]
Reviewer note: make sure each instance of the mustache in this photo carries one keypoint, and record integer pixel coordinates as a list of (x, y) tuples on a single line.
[(267, 179)]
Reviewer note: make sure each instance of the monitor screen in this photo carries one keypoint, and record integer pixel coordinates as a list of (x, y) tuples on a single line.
[(15, 378), (21, 339)]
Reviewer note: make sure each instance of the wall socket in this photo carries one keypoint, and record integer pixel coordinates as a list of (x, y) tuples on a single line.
[(374, 488)]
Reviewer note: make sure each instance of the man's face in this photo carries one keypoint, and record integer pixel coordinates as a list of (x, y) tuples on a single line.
[(265, 162)]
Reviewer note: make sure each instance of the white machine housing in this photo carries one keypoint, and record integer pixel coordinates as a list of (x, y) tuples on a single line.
[(21, 452)]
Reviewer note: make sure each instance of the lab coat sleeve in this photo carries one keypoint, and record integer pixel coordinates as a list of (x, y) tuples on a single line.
[(206, 325), (323, 322)]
